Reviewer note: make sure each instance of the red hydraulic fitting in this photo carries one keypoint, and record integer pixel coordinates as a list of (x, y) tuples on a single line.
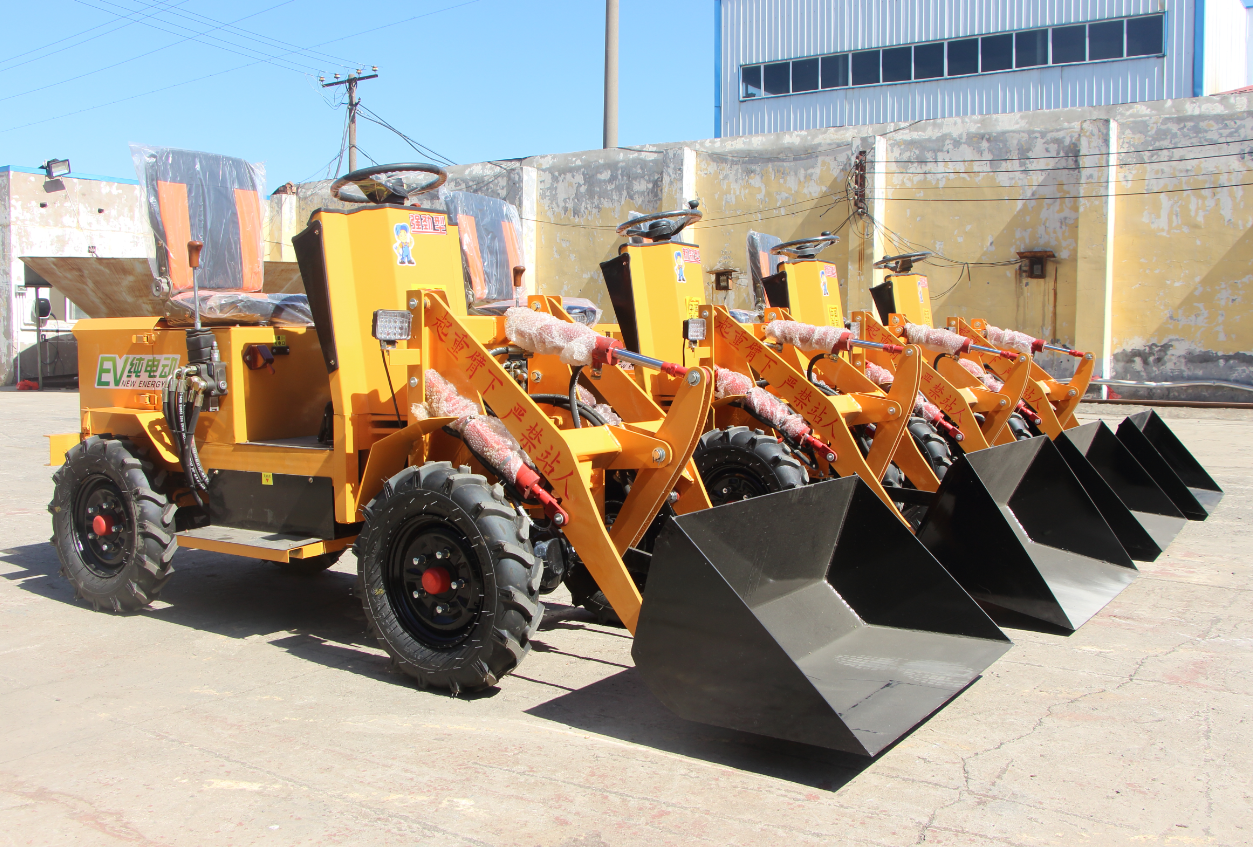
[(673, 370), (602, 353), (844, 344), (952, 431), (819, 448), (1037, 344), (1025, 410), (530, 486), (894, 349)]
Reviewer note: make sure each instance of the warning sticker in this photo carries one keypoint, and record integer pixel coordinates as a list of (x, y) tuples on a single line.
[(426, 223), (691, 254), (134, 371)]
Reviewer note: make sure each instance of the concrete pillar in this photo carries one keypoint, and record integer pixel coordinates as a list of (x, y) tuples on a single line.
[(678, 185), (1094, 300), (863, 252), (280, 225)]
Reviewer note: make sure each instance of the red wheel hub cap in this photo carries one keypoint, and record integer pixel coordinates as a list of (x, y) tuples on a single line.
[(102, 525), (435, 581)]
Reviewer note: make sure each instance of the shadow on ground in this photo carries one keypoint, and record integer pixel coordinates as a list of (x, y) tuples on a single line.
[(622, 707), (241, 598), (317, 618)]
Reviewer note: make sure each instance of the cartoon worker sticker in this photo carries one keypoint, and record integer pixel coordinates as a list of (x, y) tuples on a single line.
[(678, 267), (403, 245)]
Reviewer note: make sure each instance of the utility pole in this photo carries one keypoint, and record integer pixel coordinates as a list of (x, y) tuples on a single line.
[(611, 74), (353, 102)]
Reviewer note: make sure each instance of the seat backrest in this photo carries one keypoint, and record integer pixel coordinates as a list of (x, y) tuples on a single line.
[(205, 197), (761, 263), (491, 244)]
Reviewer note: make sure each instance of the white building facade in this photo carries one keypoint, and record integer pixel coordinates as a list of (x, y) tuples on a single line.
[(783, 65)]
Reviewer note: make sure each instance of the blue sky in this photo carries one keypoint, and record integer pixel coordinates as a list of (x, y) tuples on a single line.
[(471, 79)]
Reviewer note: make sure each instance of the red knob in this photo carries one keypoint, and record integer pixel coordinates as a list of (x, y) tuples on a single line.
[(102, 525), (436, 580)]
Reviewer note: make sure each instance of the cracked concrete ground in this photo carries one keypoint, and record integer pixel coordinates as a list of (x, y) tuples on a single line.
[(247, 707)]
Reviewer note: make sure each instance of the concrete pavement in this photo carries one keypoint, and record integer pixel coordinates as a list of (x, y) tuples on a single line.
[(248, 707)]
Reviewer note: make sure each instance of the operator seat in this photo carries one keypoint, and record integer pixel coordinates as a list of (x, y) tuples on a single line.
[(216, 200)]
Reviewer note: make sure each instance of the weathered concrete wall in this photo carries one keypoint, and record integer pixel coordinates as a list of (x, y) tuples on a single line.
[(1152, 259), (58, 217)]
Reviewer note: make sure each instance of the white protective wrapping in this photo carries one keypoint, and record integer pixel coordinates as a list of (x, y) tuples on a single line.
[(807, 337), (539, 332), (990, 382), (760, 402), (938, 339), (606, 411), (1009, 339), (486, 436), (879, 376), (883, 378)]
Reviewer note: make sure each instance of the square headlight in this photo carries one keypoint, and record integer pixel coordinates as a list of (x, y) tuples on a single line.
[(391, 325)]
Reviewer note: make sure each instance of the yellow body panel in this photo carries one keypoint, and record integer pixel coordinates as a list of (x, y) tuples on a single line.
[(813, 292), (913, 297), (668, 284)]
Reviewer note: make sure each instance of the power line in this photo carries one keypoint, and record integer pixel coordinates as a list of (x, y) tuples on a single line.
[(76, 35), (252, 35), (140, 56)]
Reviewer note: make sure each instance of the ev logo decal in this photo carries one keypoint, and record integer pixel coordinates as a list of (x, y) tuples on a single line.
[(134, 371), (404, 245)]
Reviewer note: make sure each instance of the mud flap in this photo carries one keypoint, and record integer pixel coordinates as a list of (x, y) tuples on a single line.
[(1136, 509), (810, 614), (1014, 526), (1171, 465)]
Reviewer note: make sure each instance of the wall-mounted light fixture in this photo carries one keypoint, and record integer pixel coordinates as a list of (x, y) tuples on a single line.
[(56, 167), (723, 277), (1034, 262)]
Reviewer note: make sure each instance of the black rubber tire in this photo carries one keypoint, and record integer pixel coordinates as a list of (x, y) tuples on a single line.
[(311, 565), (1019, 427), (933, 446), (456, 510), (738, 463), (129, 574)]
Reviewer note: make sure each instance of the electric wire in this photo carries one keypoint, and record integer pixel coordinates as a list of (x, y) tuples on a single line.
[(4, 66)]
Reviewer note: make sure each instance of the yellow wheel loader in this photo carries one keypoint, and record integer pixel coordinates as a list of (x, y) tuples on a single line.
[(1139, 511), (992, 519), (375, 411), (1163, 460)]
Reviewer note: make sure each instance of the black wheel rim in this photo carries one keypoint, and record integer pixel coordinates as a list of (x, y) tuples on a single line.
[(442, 619), (730, 484), (104, 554)]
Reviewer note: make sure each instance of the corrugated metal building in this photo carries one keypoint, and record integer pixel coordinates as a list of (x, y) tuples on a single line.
[(805, 64)]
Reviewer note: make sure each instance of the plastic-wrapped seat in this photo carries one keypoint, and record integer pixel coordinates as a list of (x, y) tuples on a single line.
[(216, 200)]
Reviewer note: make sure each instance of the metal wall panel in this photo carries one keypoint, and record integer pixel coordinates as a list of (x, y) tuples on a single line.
[(772, 30)]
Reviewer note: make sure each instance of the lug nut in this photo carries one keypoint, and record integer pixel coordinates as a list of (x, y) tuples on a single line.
[(441, 609), (419, 560), (417, 594), (455, 584)]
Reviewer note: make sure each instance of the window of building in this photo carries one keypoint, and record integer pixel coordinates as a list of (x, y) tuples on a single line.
[(1105, 40), (805, 75), (1070, 44), (1031, 48), (72, 312), (928, 60), (1144, 36), (963, 57), (996, 53), (898, 64), (750, 79), (835, 71), (866, 67), (777, 78)]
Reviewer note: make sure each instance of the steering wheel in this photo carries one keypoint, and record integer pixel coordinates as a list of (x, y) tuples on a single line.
[(662, 226), (386, 183), (804, 248), (902, 263)]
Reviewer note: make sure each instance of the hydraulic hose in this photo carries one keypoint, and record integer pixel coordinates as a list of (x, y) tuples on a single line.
[(574, 395)]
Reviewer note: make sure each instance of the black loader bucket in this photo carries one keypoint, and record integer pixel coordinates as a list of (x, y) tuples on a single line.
[(1172, 467), (812, 615), (1135, 507), (1013, 525)]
